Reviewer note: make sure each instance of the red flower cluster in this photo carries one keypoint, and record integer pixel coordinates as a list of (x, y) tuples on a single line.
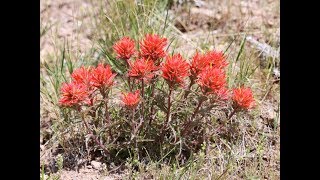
[(212, 80), (214, 59), (131, 100), (142, 69), (198, 63), (217, 59), (175, 69), (206, 69), (242, 98), (74, 94), (124, 48), (102, 77), (82, 75), (152, 47), (84, 80)]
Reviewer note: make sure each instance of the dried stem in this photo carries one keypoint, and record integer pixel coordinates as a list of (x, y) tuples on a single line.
[(127, 63), (187, 126), (189, 88), (129, 83), (135, 129), (152, 106), (232, 113), (133, 112), (169, 106), (106, 98), (129, 79), (168, 115), (91, 133), (142, 102)]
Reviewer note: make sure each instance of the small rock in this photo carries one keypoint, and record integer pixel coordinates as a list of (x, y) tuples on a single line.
[(265, 158), (89, 167), (42, 147), (199, 3), (96, 165), (108, 178), (276, 72)]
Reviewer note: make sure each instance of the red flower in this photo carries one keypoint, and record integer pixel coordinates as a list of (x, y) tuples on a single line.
[(212, 80), (130, 99), (175, 69), (124, 48), (198, 63), (243, 98), (217, 59), (152, 47), (82, 75), (102, 77), (74, 94), (142, 69)]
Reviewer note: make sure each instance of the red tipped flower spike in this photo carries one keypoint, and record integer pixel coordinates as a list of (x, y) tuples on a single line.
[(175, 69), (198, 63), (102, 77), (131, 100), (152, 47), (142, 69), (82, 75), (217, 59), (242, 98), (212, 80), (124, 48), (74, 94)]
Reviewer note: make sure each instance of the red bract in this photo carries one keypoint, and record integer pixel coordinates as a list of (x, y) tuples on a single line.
[(217, 59), (102, 77), (198, 63), (243, 98), (82, 75), (130, 99), (124, 48), (212, 80), (74, 94), (175, 69), (142, 69), (152, 47)]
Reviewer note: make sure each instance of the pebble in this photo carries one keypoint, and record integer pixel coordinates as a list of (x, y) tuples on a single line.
[(96, 165)]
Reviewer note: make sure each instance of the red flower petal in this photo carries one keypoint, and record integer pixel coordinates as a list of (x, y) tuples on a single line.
[(175, 69)]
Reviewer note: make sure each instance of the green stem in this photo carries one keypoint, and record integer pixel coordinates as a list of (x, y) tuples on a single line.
[(232, 113), (169, 107), (91, 133), (189, 88), (106, 98), (168, 115), (152, 106), (142, 102), (187, 127)]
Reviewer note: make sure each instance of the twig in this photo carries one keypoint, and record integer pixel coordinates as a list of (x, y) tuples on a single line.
[(189, 88), (201, 100), (168, 115), (92, 135)]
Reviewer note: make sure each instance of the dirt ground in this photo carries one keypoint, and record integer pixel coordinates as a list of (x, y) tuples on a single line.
[(259, 19)]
